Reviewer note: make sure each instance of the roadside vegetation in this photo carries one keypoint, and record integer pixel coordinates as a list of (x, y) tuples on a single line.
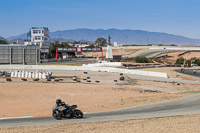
[(142, 60), (53, 46), (3, 42), (101, 42), (193, 60)]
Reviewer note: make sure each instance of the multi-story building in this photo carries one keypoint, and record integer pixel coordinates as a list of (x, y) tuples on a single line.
[(40, 36)]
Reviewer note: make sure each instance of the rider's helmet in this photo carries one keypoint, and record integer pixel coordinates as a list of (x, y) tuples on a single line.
[(58, 101)]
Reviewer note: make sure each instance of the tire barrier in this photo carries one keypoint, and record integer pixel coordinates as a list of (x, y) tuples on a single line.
[(122, 78), (35, 79), (35, 75), (56, 80), (8, 79), (74, 78), (23, 79)]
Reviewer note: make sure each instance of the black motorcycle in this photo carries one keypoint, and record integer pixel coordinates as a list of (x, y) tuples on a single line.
[(66, 111)]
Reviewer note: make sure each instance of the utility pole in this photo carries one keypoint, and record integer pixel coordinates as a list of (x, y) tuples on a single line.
[(109, 40), (60, 37), (126, 40)]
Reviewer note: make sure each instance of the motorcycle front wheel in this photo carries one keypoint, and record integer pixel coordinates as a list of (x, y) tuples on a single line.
[(57, 115)]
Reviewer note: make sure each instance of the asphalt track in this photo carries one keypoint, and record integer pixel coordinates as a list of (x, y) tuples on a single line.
[(154, 53), (180, 106), (190, 72), (150, 54)]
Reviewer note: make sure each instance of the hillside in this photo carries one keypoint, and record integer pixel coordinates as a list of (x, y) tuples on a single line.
[(121, 36)]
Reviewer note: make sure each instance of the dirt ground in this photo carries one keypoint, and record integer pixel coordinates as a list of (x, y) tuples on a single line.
[(114, 52), (190, 55), (37, 99), (178, 124)]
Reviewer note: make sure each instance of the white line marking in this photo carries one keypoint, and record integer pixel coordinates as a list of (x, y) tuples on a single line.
[(4, 118)]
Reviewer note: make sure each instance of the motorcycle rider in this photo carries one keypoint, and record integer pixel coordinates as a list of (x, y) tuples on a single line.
[(60, 103)]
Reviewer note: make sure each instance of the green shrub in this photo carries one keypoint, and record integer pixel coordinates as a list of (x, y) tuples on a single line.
[(141, 60)]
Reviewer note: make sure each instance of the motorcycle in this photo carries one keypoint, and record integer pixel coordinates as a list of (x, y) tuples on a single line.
[(66, 111)]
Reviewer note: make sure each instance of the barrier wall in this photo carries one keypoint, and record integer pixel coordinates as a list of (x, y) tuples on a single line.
[(86, 68), (104, 64)]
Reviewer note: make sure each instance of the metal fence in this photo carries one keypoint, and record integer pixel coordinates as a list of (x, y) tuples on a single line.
[(20, 54)]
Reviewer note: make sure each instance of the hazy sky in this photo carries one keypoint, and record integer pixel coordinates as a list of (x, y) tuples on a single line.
[(180, 17)]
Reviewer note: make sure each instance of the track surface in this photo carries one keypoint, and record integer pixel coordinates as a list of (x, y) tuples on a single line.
[(191, 72)]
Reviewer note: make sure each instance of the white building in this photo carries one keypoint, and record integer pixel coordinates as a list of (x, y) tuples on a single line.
[(109, 55), (40, 36), (116, 44)]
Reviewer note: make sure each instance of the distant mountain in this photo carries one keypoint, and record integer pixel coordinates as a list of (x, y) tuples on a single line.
[(61, 40), (22, 36), (16, 41), (121, 36), (1, 38)]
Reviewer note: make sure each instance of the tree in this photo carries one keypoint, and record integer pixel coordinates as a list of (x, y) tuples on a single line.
[(101, 41), (3, 42), (53, 46), (180, 60), (195, 60)]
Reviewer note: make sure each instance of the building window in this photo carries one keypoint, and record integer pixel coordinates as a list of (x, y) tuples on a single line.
[(36, 31), (37, 38)]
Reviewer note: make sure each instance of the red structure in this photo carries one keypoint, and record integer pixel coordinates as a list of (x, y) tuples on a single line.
[(73, 50), (56, 54)]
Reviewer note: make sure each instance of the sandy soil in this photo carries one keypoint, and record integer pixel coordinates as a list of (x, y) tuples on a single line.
[(178, 124), (191, 55), (37, 98), (114, 52), (174, 56)]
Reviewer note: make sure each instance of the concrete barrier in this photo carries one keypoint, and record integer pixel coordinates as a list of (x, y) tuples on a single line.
[(26, 74), (103, 64), (88, 68), (12, 74)]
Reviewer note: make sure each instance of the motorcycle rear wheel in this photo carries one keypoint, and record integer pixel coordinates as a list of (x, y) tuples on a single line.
[(78, 114)]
